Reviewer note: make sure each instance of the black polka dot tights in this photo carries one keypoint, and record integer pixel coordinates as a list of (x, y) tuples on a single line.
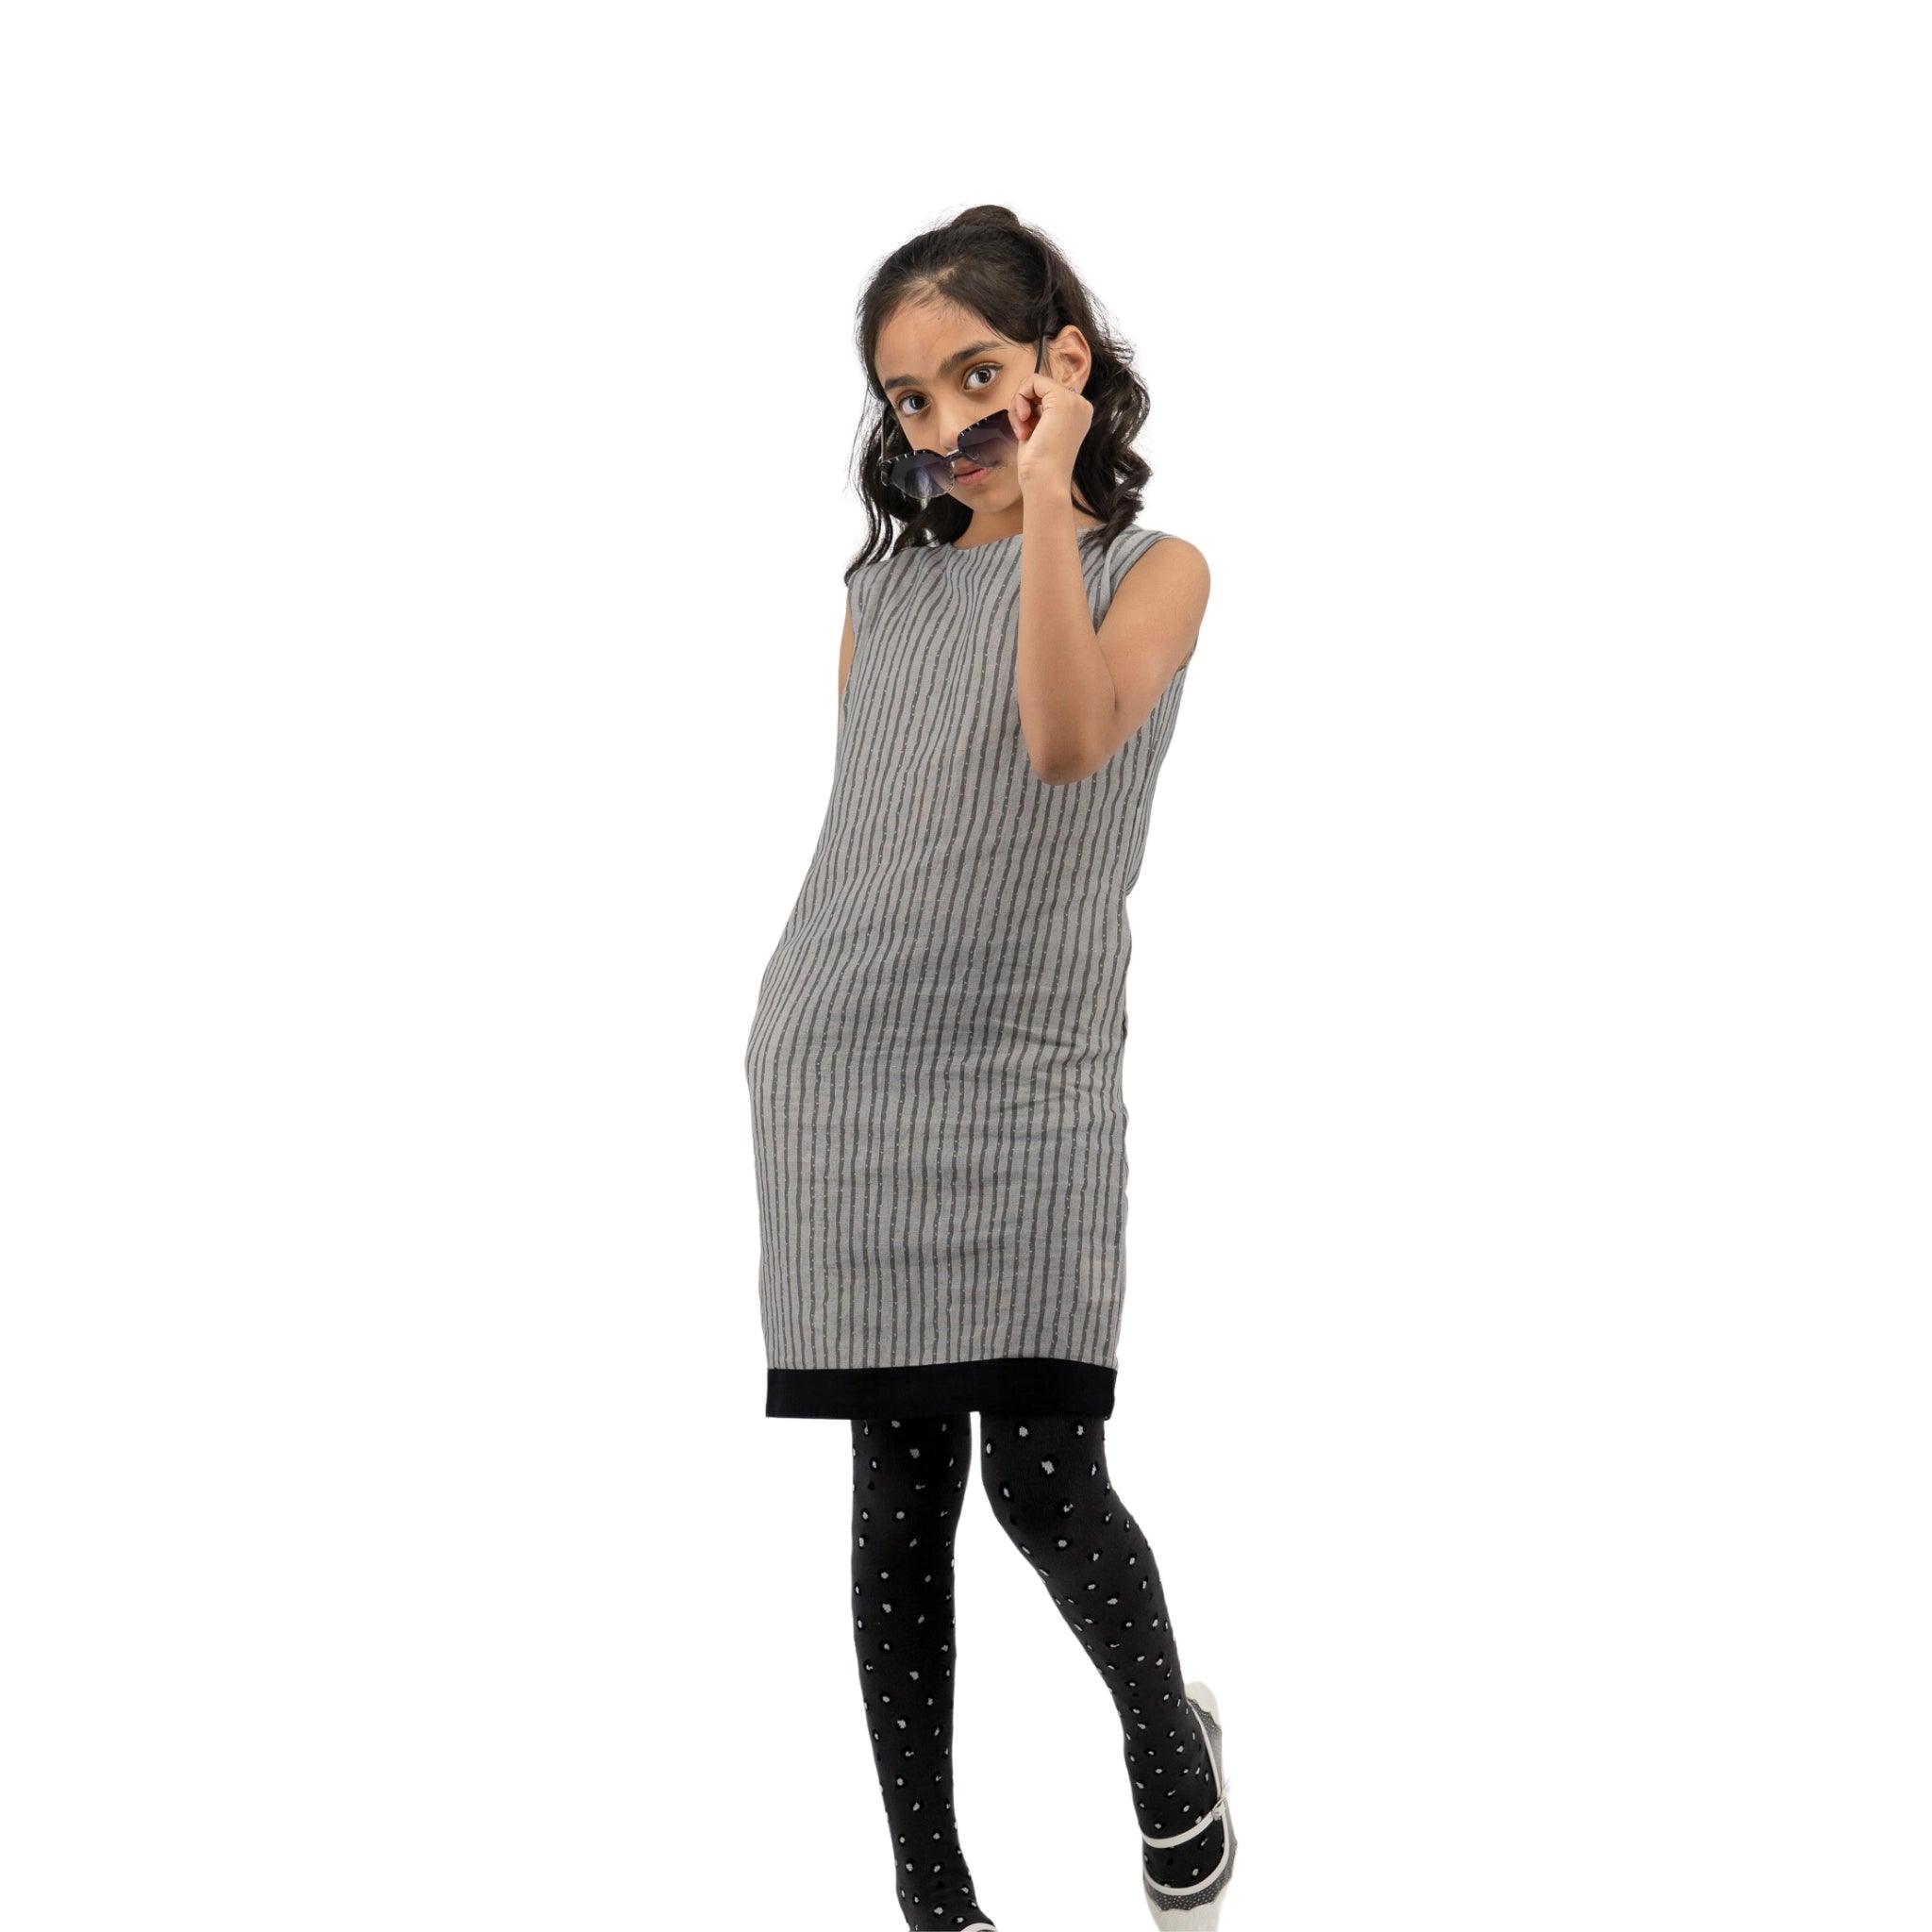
[(1047, 1480)]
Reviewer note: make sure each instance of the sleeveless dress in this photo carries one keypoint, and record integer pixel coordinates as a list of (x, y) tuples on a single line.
[(935, 1065)]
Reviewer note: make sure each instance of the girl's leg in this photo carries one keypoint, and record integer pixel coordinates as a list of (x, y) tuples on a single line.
[(908, 1484), (1047, 1478)]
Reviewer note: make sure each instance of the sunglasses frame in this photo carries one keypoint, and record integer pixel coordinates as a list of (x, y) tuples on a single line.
[(888, 465)]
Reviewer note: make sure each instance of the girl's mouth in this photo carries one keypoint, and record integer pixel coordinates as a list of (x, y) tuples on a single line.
[(967, 473)]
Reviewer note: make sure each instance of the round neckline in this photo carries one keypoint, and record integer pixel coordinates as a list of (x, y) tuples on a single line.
[(1013, 537)]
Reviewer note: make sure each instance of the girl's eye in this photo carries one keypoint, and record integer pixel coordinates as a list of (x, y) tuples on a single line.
[(989, 369)]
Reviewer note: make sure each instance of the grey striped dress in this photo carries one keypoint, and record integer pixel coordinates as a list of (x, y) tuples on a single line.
[(935, 1065)]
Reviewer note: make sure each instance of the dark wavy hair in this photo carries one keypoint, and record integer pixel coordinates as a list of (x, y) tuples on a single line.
[(1018, 282)]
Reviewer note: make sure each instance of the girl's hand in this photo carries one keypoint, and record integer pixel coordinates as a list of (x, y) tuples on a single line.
[(1051, 420)]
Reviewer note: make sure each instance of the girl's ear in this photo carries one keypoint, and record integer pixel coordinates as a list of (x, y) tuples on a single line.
[(1069, 359)]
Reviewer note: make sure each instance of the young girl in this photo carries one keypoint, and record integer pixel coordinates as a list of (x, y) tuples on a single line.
[(936, 1062)]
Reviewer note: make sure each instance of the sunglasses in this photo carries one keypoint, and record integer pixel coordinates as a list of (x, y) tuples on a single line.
[(925, 474)]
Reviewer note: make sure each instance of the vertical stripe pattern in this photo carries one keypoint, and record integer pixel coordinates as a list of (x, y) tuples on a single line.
[(935, 1065)]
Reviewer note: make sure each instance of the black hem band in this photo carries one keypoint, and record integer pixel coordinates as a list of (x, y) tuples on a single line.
[(1041, 1385)]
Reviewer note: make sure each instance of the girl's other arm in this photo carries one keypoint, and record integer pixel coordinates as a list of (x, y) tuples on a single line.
[(846, 643)]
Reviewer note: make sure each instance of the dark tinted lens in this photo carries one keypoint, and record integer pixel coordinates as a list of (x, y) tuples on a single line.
[(920, 474), (989, 440)]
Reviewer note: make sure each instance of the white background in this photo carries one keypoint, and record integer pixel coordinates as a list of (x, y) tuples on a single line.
[(424, 451)]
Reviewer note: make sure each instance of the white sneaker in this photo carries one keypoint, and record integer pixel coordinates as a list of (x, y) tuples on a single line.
[(1197, 1907)]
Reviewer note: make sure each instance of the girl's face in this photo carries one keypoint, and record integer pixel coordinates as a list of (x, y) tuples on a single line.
[(942, 369)]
